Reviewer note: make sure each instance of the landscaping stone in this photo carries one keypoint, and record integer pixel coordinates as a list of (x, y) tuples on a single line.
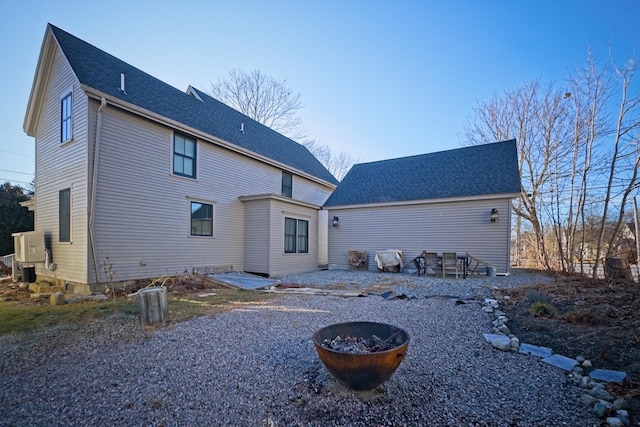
[(608, 375), (560, 361), (535, 350)]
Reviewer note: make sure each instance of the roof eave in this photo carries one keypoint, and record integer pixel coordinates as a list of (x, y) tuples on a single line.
[(97, 94), (42, 73), (425, 201)]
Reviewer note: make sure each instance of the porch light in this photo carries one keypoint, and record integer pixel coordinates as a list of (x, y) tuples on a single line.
[(335, 221), (494, 215)]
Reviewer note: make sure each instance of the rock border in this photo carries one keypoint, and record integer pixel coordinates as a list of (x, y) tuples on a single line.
[(595, 395)]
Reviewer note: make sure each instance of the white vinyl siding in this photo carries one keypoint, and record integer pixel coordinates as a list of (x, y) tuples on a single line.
[(144, 228), (460, 227), (61, 166)]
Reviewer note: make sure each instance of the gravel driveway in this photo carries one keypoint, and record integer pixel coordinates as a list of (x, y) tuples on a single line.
[(257, 366)]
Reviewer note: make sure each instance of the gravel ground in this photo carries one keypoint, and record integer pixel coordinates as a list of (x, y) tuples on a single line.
[(257, 366)]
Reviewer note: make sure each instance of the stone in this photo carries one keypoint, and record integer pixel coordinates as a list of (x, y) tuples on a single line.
[(589, 400), (620, 404), (57, 299), (535, 350), (601, 393), (499, 341), (586, 363), (600, 409), (504, 329), (578, 369), (608, 375), (580, 359), (614, 422), (623, 416), (560, 361)]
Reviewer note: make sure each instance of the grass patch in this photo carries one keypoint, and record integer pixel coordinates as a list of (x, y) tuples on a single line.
[(16, 317), (582, 316)]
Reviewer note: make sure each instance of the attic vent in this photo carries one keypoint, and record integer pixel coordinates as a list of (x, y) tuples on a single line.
[(242, 127), (121, 89)]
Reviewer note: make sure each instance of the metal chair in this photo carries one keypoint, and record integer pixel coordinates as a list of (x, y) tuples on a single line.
[(431, 264), (450, 264)]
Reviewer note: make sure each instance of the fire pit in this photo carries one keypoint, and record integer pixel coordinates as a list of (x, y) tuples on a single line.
[(361, 355)]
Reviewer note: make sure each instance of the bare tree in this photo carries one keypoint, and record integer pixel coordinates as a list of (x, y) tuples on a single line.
[(578, 159), (336, 163), (274, 104), (267, 100)]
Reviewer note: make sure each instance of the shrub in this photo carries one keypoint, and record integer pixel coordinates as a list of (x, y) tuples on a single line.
[(581, 315), (543, 309)]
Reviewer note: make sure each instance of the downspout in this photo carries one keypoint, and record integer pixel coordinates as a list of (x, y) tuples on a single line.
[(93, 186)]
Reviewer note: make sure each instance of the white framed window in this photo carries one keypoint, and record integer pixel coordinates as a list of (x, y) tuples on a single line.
[(66, 122), (201, 218), (287, 184), (184, 155), (296, 236)]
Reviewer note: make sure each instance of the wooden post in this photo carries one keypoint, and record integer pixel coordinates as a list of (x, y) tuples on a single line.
[(153, 305)]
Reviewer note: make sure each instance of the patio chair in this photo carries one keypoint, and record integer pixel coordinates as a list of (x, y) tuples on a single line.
[(431, 264), (450, 264), (358, 260)]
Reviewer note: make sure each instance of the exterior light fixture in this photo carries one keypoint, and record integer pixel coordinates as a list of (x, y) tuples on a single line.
[(494, 215), (335, 221)]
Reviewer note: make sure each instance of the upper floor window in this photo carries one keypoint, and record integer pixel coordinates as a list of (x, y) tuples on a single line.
[(287, 184), (296, 236), (184, 156), (65, 118), (201, 219)]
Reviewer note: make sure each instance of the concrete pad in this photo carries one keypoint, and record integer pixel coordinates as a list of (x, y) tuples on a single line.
[(608, 375), (535, 350), (561, 362)]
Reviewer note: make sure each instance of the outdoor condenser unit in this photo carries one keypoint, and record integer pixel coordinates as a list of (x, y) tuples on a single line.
[(29, 246)]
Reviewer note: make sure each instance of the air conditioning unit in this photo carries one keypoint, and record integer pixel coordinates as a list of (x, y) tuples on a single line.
[(29, 246)]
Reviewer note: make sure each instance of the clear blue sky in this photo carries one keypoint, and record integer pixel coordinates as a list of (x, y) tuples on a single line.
[(378, 79)]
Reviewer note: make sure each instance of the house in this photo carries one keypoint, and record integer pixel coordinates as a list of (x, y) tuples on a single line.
[(136, 179), (450, 201)]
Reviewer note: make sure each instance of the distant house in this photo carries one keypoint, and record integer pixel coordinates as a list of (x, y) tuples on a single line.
[(450, 201), (136, 179)]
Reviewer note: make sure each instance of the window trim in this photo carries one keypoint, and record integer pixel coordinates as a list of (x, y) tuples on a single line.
[(286, 185), (68, 217), (213, 218), (297, 238), (183, 156), (66, 121)]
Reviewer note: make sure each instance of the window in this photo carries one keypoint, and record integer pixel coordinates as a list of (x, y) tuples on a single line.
[(184, 156), (65, 118), (201, 219), (64, 215), (296, 236), (287, 184)]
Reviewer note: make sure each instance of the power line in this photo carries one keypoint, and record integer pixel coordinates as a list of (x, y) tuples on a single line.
[(21, 173), (17, 154)]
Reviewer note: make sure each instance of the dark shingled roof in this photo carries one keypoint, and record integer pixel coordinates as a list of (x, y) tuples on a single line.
[(480, 170), (101, 71)]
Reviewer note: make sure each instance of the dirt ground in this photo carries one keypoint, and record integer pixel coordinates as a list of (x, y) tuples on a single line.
[(597, 319)]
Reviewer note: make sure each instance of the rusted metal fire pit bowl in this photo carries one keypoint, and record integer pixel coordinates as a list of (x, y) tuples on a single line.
[(366, 370)]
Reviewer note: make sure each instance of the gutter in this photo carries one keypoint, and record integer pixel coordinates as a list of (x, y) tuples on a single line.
[(94, 185)]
